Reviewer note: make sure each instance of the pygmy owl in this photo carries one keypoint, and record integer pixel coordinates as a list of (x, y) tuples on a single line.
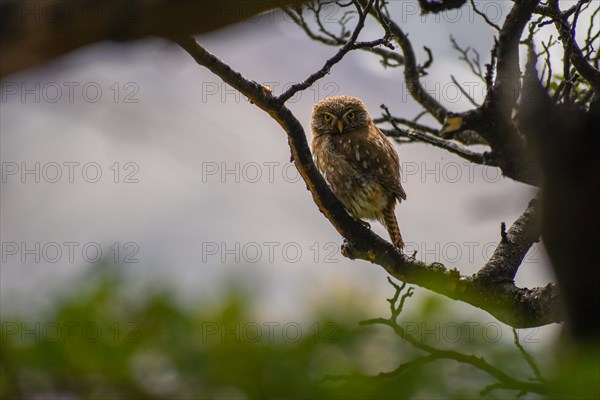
[(358, 161)]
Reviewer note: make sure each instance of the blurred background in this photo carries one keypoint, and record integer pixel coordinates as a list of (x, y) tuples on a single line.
[(147, 199)]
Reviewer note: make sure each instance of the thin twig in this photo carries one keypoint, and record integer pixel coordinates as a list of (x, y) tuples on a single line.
[(485, 17), (473, 63), (528, 358), (547, 62), (567, 37), (505, 381), (449, 145), (411, 70), (428, 62), (351, 44), (464, 92), (514, 245), (331, 39), (410, 123)]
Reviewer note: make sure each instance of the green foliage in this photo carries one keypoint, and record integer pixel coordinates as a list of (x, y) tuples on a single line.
[(579, 90), (101, 343)]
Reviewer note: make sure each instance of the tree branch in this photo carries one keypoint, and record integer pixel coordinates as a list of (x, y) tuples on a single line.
[(464, 92), (514, 306), (411, 70), (472, 63), (410, 123), (508, 256), (34, 32), (417, 362), (449, 145), (330, 39), (351, 44), (565, 139), (506, 88), (328, 204), (528, 358), (517, 307), (505, 381), (493, 120), (572, 50), (485, 18)]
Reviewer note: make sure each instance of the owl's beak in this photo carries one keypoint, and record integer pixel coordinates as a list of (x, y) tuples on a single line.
[(340, 126)]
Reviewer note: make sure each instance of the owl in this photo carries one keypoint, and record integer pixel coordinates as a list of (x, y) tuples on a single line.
[(358, 161)]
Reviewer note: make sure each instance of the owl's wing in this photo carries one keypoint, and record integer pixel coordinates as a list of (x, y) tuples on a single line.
[(380, 160)]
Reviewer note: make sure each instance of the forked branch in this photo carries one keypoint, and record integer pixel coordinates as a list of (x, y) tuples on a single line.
[(502, 379), (514, 306)]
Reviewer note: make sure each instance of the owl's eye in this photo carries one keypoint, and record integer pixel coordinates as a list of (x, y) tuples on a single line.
[(351, 115), (327, 117)]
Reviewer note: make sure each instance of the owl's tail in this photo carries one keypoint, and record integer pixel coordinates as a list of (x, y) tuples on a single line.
[(391, 224)]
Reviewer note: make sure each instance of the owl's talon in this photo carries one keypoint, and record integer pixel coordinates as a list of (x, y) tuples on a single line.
[(346, 250)]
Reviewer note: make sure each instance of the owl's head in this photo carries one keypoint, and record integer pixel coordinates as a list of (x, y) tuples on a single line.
[(337, 115)]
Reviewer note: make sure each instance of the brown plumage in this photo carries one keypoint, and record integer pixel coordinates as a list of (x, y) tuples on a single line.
[(358, 161)]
